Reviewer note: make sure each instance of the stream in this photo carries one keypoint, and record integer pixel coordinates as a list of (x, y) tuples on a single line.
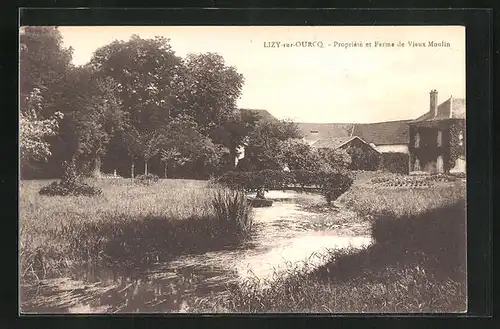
[(292, 231)]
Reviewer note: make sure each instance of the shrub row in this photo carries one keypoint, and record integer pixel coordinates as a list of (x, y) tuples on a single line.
[(332, 184), (147, 179)]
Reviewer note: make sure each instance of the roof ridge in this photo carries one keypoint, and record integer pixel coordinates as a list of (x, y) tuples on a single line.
[(352, 123)]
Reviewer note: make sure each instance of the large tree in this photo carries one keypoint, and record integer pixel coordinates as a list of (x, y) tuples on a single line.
[(43, 70), (43, 64), (93, 114), (211, 90), (297, 155), (147, 74), (184, 142), (263, 144)]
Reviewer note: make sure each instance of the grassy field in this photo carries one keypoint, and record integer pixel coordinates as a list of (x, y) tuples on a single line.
[(398, 202), (417, 263), (128, 225)]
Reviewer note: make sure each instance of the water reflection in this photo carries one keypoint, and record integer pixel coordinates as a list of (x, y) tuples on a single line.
[(285, 233)]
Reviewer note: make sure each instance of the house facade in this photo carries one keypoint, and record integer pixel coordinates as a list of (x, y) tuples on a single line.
[(367, 160), (437, 138)]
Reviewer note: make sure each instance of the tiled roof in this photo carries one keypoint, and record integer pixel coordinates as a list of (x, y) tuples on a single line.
[(337, 142), (383, 133), (452, 108), (317, 131), (380, 133), (331, 142)]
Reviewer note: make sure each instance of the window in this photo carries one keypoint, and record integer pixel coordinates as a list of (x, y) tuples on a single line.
[(416, 166), (440, 164), (417, 140), (314, 131), (439, 138)]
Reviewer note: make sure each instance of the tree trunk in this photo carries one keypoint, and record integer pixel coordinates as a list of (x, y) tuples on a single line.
[(145, 167), (166, 165), (234, 157), (97, 167), (132, 170)]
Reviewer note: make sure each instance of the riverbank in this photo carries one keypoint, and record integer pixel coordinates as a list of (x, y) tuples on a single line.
[(128, 225), (417, 263), (308, 256), (294, 229)]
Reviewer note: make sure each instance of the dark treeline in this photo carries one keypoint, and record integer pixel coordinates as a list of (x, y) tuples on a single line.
[(135, 107)]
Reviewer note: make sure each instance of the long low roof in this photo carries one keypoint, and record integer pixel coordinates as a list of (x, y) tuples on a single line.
[(379, 133)]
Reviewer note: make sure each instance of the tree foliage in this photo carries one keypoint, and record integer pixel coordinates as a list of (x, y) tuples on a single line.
[(297, 155), (147, 74), (211, 89), (332, 159), (457, 142), (43, 64), (136, 98), (262, 148), (33, 130)]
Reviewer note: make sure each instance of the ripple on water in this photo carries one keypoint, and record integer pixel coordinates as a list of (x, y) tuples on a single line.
[(284, 236)]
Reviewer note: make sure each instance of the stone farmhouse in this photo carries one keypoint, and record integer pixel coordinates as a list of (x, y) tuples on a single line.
[(437, 138), (433, 142)]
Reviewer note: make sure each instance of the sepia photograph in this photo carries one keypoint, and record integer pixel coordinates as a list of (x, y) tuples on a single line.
[(242, 169)]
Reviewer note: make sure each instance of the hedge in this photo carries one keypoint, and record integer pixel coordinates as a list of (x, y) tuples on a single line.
[(332, 184), (394, 162)]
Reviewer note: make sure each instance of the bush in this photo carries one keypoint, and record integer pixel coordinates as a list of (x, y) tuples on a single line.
[(331, 183), (394, 162), (147, 179), (70, 184), (334, 185), (63, 188), (232, 210)]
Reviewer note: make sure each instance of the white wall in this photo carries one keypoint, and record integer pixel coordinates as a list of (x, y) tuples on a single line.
[(459, 166), (401, 148)]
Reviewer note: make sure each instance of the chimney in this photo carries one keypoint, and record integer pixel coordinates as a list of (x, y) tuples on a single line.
[(434, 102)]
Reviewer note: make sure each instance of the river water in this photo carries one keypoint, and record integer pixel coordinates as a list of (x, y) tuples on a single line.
[(291, 232)]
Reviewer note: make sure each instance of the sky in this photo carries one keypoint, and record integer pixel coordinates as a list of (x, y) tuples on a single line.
[(338, 82)]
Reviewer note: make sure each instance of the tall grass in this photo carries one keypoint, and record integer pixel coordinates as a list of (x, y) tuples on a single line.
[(395, 275), (362, 283), (231, 206), (417, 263), (129, 224)]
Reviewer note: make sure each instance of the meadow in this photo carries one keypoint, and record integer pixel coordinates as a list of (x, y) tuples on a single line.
[(128, 225), (417, 263)]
